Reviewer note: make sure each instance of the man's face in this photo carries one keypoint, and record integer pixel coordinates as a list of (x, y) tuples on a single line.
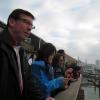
[(22, 27)]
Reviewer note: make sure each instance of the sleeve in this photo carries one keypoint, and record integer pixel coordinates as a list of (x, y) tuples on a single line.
[(3, 76), (55, 84)]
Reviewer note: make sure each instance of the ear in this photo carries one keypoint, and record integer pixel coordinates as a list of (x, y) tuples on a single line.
[(11, 22)]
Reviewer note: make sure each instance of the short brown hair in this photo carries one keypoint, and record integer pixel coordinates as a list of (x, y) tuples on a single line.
[(15, 14)]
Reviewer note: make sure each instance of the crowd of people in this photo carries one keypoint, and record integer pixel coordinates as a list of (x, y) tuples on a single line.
[(39, 78)]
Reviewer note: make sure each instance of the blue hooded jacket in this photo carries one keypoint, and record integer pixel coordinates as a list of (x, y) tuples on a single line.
[(46, 77)]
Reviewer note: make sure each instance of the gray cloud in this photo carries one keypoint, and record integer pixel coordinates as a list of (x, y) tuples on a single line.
[(73, 25)]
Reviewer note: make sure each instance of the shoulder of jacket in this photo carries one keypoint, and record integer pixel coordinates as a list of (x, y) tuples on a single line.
[(1, 39), (4, 47), (0, 44)]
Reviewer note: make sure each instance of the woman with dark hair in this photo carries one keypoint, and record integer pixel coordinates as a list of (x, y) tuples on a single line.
[(76, 72), (43, 70), (58, 65)]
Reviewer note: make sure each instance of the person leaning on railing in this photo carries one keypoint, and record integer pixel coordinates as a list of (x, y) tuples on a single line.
[(42, 69)]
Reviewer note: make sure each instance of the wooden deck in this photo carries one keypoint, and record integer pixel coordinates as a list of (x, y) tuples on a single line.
[(71, 92)]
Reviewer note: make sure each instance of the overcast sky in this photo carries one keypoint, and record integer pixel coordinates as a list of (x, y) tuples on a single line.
[(72, 25)]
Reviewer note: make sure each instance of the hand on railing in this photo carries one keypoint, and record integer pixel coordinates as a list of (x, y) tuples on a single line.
[(66, 80)]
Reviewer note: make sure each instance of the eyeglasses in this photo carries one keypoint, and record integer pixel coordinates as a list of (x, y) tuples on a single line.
[(27, 22)]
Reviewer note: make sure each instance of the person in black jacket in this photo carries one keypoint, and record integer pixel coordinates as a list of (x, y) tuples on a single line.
[(16, 81)]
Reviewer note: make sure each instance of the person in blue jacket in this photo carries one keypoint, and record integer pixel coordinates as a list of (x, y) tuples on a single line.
[(42, 69)]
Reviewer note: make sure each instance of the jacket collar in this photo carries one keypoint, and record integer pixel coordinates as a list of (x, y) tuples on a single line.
[(6, 37)]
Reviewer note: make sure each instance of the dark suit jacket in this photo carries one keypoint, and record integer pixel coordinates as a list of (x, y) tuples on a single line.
[(9, 87)]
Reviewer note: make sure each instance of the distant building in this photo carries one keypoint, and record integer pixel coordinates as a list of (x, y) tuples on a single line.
[(97, 62), (70, 60), (88, 68)]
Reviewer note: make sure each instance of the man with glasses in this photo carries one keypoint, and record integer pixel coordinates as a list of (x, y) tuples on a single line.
[(16, 81)]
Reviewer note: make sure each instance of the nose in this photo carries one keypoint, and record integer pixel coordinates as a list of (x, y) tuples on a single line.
[(29, 28)]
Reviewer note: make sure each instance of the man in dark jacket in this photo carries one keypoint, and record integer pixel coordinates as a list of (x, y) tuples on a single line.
[(16, 81)]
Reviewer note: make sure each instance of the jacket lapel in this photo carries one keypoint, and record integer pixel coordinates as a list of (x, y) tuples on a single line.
[(12, 59)]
